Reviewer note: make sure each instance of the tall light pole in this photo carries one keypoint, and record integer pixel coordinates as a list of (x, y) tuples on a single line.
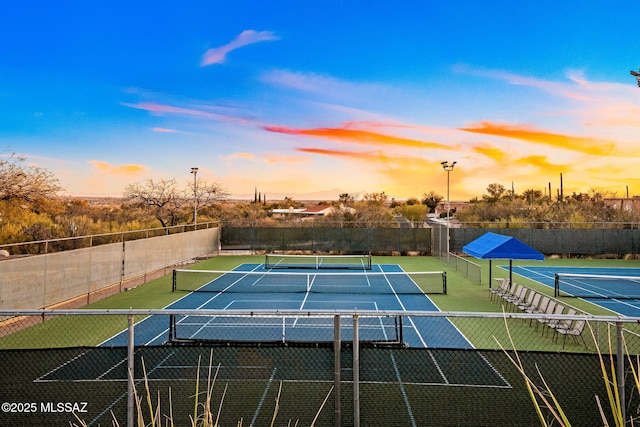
[(194, 171), (448, 167)]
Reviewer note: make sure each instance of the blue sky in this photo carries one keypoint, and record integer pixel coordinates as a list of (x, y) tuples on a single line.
[(320, 98)]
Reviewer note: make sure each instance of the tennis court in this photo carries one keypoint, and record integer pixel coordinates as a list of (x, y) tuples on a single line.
[(270, 341), (614, 288), (381, 288)]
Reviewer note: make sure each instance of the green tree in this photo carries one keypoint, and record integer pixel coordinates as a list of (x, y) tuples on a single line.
[(496, 191), (414, 213), (432, 200), (372, 211)]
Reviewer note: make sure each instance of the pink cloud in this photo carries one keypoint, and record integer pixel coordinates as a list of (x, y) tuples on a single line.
[(218, 55)]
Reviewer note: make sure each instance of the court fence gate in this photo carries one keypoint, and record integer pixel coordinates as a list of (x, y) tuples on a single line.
[(97, 367)]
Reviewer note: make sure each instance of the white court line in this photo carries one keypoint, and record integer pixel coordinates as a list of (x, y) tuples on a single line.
[(125, 394), (263, 398), (403, 391)]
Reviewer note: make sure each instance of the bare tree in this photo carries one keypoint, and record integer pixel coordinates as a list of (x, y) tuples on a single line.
[(208, 194), (24, 183), (170, 203), (164, 197)]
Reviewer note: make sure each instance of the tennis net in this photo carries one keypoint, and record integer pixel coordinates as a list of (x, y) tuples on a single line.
[(352, 282), (596, 286), (258, 330), (359, 262)]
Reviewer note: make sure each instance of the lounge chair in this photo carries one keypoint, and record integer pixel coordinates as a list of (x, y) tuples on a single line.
[(531, 299), (548, 310), (503, 286), (518, 295), (574, 330), (540, 308), (561, 323), (532, 303), (558, 310)]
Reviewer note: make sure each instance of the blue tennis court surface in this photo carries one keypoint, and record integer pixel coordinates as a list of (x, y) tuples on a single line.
[(626, 305), (447, 367), (388, 292)]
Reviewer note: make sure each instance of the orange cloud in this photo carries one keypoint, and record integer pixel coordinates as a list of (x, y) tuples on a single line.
[(536, 161), (525, 133), (124, 170), (358, 136), (380, 157), (491, 152), (542, 164), (244, 156)]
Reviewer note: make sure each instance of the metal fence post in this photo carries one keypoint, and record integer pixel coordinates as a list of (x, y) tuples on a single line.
[(337, 347), (356, 373), (620, 368), (130, 372)]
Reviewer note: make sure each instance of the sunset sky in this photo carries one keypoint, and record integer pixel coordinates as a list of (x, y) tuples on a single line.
[(311, 99)]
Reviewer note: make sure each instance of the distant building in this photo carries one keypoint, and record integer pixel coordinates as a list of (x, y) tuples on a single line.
[(625, 203), (318, 210)]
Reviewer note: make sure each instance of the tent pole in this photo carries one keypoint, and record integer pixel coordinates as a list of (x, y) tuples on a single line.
[(490, 274), (510, 272)]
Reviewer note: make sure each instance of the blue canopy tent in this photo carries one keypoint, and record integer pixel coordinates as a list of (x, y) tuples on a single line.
[(496, 246)]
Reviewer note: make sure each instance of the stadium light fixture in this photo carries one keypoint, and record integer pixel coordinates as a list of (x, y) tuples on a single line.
[(636, 75), (194, 171), (448, 167)]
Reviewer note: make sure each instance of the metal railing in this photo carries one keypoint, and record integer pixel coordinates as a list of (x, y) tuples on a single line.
[(78, 242)]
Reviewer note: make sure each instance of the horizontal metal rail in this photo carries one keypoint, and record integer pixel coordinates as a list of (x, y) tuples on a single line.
[(314, 313)]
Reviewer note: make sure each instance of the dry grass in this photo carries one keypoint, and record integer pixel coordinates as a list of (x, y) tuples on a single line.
[(205, 414)]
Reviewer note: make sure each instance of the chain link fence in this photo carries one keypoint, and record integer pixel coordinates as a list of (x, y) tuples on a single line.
[(57, 365), (383, 238)]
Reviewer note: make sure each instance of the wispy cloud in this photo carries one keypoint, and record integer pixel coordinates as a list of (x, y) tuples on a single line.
[(218, 55), (342, 153), (594, 146), (123, 170), (305, 82), (269, 158), (156, 108), (165, 130), (491, 152), (327, 87), (241, 156), (358, 136), (556, 88)]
